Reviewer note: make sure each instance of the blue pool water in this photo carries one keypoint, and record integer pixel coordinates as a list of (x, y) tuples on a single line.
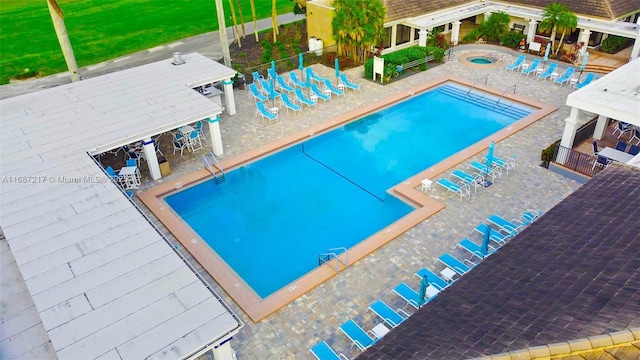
[(270, 219)]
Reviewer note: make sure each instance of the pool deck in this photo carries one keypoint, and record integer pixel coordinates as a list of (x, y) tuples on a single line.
[(315, 316)]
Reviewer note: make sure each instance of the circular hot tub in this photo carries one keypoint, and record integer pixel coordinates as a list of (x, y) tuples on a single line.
[(484, 61)]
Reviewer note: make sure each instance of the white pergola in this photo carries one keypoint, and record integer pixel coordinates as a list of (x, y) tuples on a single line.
[(102, 279), (613, 96)]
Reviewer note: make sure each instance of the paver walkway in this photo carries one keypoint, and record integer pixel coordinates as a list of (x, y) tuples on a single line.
[(317, 315)]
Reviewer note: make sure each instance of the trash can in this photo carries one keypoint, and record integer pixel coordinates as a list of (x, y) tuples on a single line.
[(241, 81), (165, 169)]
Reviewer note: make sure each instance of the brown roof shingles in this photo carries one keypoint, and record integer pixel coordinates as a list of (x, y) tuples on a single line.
[(574, 273)]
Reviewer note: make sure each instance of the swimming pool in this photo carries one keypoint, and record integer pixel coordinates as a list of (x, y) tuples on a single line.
[(309, 193)]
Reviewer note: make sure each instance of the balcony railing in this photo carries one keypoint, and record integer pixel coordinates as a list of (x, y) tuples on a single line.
[(576, 161)]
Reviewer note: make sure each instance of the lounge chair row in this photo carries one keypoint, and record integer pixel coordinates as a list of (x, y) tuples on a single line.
[(552, 72), (391, 318), (461, 182)]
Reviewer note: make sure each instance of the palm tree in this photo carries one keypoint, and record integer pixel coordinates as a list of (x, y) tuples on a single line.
[(358, 27), (57, 16), (235, 22), (274, 20), (557, 17), (255, 21)]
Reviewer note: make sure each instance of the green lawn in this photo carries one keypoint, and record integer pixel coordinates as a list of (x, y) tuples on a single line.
[(104, 29)]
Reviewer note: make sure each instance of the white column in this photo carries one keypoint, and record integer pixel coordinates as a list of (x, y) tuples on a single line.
[(601, 127), (394, 34), (422, 37), (228, 96), (455, 32), (635, 52), (569, 134), (216, 135), (149, 150), (412, 36), (486, 15), (584, 38), (223, 352), (531, 32)]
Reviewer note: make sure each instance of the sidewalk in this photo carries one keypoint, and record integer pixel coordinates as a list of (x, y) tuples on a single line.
[(207, 44)]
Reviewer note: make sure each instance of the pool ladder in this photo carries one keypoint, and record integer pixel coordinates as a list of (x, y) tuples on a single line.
[(325, 258), (210, 162)]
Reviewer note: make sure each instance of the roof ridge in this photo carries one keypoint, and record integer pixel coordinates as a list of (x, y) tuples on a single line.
[(617, 339)]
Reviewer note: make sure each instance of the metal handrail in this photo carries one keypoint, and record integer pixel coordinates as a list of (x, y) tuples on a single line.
[(173, 247), (494, 55), (486, 77), (210, 166), (514, 86), (324, 258)]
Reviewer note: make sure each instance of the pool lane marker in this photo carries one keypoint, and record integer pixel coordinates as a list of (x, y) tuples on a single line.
[(342, 176)]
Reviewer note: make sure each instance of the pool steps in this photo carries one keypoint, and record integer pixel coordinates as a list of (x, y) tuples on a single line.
[(486, 102)]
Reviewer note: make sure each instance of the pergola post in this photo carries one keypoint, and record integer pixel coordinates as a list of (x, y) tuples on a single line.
[(531, 32), (422, 37), (635, 51), (569, 134), (228, 96), (216, 135), (394, 34), (585, 34), (601, 126), (455, 32), (149, 149)]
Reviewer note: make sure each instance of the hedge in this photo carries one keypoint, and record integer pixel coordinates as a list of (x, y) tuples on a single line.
[(392, 60)]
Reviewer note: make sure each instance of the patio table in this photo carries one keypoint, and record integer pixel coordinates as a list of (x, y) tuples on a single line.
[(616, 155)]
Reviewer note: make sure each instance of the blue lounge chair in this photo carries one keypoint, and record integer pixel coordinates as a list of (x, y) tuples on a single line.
[(322, 351), (355, 333), (506, 163), (565, 77), (528, 217), (272, 73), (319, 93), (550, 70), (288, 103), (494, 235), (313, 76), (256, 76), (432, 279), (112, 174), (531, 68), (283, 85), (256, 93), (303, 99), (483, 169), (348, 84), (586, 81), (392, 317), (516, 64), (412, 297), (456, 265), (504, 224), (473, 248), (467, 179), (334, 90), (462, 190), (296, 81), (266, 114)]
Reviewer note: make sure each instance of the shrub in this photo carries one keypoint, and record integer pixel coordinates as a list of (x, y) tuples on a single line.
[(392, 60), (495, 26), (613, 44), (472, 36), (547, 154), (511, 39)]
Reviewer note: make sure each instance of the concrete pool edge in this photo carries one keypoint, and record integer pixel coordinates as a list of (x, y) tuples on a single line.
[(254, 306)]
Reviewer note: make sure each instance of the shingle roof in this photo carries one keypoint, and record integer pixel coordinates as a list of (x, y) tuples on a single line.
[(573, 273), (400, 9), (607, 9)]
